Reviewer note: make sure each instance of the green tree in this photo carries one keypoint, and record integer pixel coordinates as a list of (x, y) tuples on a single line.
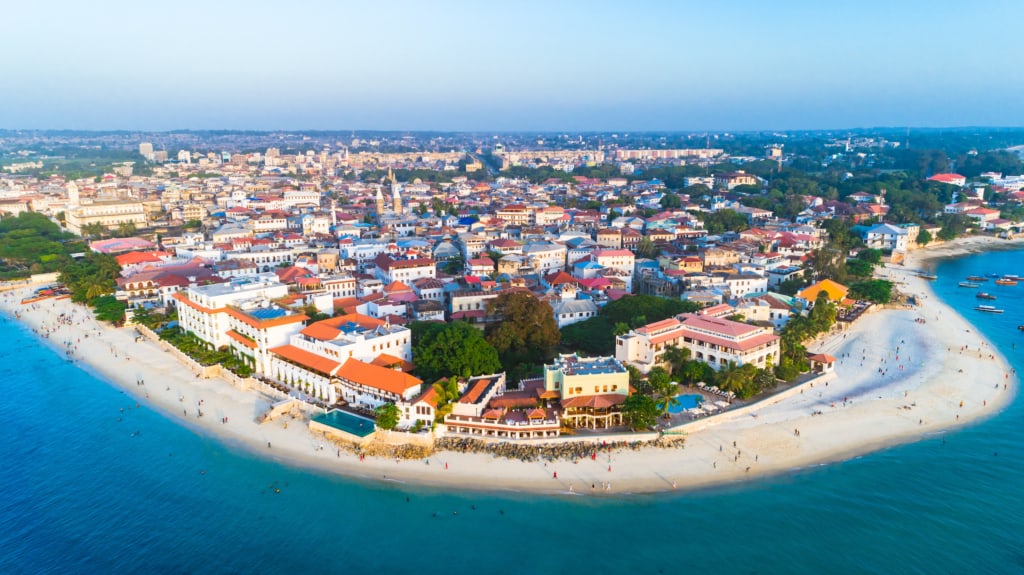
[(386, 416), (525, 333), (645, 248), (658, 377), (640, 412), (674, 357), (91, 276), (457, 348), (667, 400), (878, 291), (671, 201), (924, 237), (724, 221), (94, 230), (953, 226), (126, 229), (447, 391), (107, 308)]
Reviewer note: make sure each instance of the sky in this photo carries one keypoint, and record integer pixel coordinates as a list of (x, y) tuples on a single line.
[(554, 65)]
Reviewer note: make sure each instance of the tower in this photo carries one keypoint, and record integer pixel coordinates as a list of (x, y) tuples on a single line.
[(72, 194), (396, 199), (380, 203)]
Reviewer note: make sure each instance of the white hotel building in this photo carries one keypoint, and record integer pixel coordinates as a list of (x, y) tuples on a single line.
[(351, 357), (714, 341), (240, 316)]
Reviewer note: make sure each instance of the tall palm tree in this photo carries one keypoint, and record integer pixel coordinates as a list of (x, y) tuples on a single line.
[(668, 400), (674, 357)]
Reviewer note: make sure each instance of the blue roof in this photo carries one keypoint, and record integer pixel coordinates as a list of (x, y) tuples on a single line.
[(268, 313)]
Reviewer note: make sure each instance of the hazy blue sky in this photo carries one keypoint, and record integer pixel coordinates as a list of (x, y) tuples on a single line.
[(513, 65)]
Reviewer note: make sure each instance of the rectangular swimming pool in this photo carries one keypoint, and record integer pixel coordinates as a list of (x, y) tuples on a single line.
[(347, 422)]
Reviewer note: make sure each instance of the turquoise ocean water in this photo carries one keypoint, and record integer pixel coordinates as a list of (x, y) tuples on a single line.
[(85, 493)]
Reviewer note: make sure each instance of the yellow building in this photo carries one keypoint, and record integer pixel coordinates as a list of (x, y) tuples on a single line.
[(591, 390), (108, 213)]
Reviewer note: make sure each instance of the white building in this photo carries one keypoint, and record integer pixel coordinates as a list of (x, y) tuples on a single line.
[(238, 315), (714, 341)]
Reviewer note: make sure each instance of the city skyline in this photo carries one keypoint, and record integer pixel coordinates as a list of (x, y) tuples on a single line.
[(530, 67)]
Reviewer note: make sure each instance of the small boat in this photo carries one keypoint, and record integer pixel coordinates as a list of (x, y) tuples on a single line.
[(925, 276), (989, 309), (977, 279), (994, 275), (984, 295), (969, 285), (1006, 282)]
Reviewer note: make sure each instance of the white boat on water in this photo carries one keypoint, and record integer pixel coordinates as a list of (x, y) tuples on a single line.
[(988, 309)]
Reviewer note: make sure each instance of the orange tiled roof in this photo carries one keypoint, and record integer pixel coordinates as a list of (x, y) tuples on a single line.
[(307, 359), (378, 377), (390, 361), (241, 339)]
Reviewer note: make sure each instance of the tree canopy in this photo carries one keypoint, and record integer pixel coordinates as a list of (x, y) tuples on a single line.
[(640, 412), (90, 277), (597, 334), (525, 335), (387, 416), (878, 291), (31, 243), (457, 348)]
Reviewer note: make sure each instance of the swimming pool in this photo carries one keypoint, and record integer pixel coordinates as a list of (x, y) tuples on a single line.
[(347, 422), (688, 401)]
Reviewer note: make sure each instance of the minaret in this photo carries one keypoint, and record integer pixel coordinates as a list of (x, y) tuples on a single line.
[(396, 200), (334, 214)]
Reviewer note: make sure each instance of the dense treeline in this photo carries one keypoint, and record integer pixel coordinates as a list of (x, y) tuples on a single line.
[(597, 335), (30, 243)]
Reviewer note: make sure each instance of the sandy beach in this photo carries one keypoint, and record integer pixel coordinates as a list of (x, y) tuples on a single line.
[(898, 379)]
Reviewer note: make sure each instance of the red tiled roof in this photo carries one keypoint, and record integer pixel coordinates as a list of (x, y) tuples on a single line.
[(473, 394), (601, 401)]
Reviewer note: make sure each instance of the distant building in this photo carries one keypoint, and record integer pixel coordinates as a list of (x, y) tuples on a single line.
[(952, 179)]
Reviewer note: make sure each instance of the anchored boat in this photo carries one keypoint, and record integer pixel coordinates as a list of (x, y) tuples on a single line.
[(989, 309)]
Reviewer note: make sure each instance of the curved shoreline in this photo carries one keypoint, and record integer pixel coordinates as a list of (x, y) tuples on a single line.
[(874, 417)]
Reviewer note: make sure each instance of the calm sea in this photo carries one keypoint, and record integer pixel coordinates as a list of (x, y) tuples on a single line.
[(85, 492)]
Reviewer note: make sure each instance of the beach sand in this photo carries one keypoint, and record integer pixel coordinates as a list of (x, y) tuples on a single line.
[(898, 406)]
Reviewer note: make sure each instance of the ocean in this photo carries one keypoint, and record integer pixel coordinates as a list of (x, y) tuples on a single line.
[(89, 489)]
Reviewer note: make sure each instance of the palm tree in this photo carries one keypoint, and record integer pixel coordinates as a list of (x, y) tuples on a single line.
[(447, 391), (668, 400), (674, 357)]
